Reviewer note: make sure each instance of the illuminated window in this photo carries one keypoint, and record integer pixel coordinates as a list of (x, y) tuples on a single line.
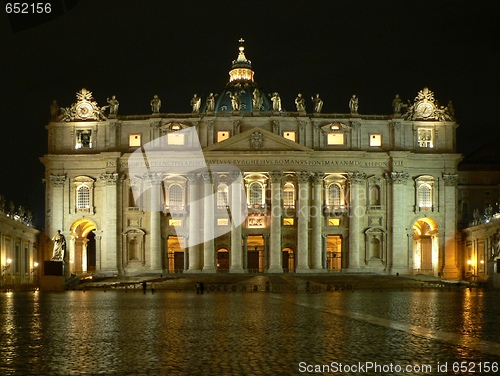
[(175, 222), (175, 196), (222, 193), (375, 140), (222, 222), (425, 196), (289, 195), (425, 138), (289, 135), (83, 198), (255, 196), (175, 138), (333, 221), (334, 195), (288, 221), (222, 135), (134, 140), (83, 139), (335, 139)]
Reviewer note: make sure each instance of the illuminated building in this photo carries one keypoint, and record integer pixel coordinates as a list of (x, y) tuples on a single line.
[(317, 192)]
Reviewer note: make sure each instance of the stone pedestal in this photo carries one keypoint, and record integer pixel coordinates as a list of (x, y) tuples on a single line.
[(53, 268)]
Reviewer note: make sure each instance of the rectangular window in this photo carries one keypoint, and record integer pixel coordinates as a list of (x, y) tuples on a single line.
[(175, 138), (333, 221), (222, 135), (222, 222), (425, 138), (134, 139), (289, 135), (175, 222), (83, 139), (375, 140), (288, 221), (335, 139)]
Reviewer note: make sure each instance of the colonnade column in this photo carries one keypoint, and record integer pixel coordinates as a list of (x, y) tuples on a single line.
[(398, 254), (154, 180), (275, 233), (208, 224), (450, 266), (109, 227), (302, 258), (236, 265), (57, 209), (317, 222), (194, 222), (357, 207)]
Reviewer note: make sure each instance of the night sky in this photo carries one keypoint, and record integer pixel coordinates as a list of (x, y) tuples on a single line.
[(135, 49)]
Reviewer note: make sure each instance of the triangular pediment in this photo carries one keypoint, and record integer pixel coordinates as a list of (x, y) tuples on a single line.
[(257, 139)]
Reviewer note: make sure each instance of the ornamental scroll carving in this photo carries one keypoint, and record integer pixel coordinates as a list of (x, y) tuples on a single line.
[(356, 177), (109, 179), (257, 140), (276, 176), (450, 180), (397, 177), (85, 108), (57, 180)]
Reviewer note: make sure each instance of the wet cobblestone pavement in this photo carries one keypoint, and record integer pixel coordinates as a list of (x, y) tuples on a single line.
[(168, 333)]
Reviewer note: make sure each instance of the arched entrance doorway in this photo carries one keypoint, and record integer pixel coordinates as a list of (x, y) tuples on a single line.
[(222, 260), (334, 253), (82, 248), (425, 247), (175, 254), (255, 253)]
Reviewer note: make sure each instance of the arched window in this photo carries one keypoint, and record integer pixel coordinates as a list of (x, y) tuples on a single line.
[(175, 196), (425, 196), (222, 195), (334, 195), (255, 196), (83, 197), (289, 195)]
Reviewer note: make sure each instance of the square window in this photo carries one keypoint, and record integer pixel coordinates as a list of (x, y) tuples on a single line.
[(134, 139), (333, 221), (425, 138), (175, 138), (335, 139), (83, 139), (375, 140), (222, 135), (222, 221), (289, 135), (175, 222), (288, 221)]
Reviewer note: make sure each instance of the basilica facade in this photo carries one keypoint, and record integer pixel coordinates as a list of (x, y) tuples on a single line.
[(239, 185)]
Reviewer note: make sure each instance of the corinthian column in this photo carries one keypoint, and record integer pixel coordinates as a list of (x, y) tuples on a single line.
[(153, 181), (208, 224), (57, 201), (302, 257), (236, 265), (357, 208), (450, 269), (109, 228), (317, 222), (194, 222), (275, 239)]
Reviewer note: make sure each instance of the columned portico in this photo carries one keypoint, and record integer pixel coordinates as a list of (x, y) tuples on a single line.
[(275, 234), (194, 222), (303, 223)]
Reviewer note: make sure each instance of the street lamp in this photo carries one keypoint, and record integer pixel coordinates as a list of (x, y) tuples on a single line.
[(6, 267), (33, 271)]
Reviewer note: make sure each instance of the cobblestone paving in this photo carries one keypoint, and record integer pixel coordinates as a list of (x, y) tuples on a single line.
[(168, 333)]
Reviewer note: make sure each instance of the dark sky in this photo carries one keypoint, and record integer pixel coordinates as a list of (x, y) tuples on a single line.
[(135, 49)]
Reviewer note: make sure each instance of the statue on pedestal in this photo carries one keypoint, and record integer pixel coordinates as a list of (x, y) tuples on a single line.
[(196, 103), (59, 247), (211, 102), (275, 98), (300, 102), (257, 100), (318, 103), (113, 105), (354, 104), (155, 104)]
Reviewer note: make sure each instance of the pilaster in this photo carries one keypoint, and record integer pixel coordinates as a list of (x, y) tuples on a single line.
[(275, 234)]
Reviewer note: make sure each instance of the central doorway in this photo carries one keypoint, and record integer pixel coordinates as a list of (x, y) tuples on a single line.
[(223, 260), (175, 254), (255, 253), (334, 253)]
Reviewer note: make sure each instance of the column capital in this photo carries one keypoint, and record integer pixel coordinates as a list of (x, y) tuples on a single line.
[(450, 180), (317, 177), (153, 178), (276, 176), (395, 177), (109, 178), (302, 177), (193, 177), (356, 177), (207, 176), (235, 175), (57, 180)]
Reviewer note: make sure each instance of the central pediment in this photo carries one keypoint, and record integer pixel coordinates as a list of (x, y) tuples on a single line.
[(257, 139)]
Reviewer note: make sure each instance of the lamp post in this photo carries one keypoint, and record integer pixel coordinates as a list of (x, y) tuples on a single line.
[(33, 272), (5, 268)]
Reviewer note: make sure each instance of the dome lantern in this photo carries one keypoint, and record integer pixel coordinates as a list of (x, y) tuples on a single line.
[(242, 67)]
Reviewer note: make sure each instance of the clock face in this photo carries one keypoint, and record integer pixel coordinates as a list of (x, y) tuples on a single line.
[(84, 110), (425, 109)]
